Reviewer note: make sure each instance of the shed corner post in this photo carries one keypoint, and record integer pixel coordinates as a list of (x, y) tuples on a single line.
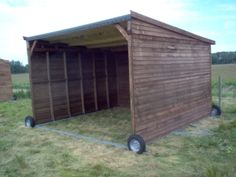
[(29, 55), (131, 79), (210, 63)]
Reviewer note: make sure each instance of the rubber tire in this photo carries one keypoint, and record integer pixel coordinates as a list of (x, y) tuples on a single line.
[(218, 111), (14, 97), (141, 142), (29, 120)]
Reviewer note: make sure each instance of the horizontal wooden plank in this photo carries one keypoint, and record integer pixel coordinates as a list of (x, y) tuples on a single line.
[(140, 55), (140, 25), (162, 108), (160, 76), (170, 98), (175, 87), (158, 118), (163, 111), (142, 38), (152, 80), (148, 136)]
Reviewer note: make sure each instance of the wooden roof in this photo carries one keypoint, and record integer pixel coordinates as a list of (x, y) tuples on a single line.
[(4, 61), (105, 32)]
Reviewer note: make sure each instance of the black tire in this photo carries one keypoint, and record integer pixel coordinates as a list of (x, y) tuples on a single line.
[(215, 111), (136, 144), (14, 97), (29, 122)]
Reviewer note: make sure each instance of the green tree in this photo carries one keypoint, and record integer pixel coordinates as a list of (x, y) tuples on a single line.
[(18, 67), (223, 57)]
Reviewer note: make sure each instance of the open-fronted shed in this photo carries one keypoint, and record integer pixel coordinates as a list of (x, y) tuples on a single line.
[(162, 73), (5, 80)]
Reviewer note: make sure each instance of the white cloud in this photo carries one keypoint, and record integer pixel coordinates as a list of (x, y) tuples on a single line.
[(32, 17), (35, 17)]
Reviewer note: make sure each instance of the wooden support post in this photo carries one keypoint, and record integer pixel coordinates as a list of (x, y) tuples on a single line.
[(81, 83), (131, 85), (107, 86), (49, 87), (30, 79), (117, 81), (66, 82), (220, 90), (95, 84)]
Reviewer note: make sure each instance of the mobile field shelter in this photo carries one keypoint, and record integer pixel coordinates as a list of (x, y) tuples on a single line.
[(162, 73), (5, 80)]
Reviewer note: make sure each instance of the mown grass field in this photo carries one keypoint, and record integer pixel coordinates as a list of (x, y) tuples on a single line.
[(35, 152), (226, 71)]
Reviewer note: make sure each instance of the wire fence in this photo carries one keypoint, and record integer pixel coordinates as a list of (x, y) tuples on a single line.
[(224, 94)]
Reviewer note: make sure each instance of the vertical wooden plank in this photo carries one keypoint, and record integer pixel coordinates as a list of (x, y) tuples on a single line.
[(107, 88), (49, 87), (30, 79), (131, 85), (66, 82), (117, 80), (94, 84), (81, 83), (210, 67)]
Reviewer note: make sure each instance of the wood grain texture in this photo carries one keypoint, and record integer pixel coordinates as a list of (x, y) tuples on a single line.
[(5, 81), (171, 77)]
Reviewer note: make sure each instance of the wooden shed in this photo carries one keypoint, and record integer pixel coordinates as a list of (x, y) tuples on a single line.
[(5, 80), (162, 73)]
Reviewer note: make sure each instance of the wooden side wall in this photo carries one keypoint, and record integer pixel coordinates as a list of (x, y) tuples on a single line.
[(5, 81), (171, 79), (67, 83)]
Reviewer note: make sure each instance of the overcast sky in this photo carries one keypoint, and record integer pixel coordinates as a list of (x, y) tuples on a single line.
[(210, 18)]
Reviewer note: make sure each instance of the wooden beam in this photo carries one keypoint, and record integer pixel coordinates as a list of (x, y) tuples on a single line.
[(33, 47), (66, 82), (131, 86), (95, 84), (117, 81), (81, 83), (52, 49), (49, 87), (112, 44), (122, 31), (105, 40), (30, 79), (107, 87)]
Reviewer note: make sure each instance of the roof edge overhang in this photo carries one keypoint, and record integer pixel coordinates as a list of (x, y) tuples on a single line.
[(116, 20), (169, 27), (79, 28)]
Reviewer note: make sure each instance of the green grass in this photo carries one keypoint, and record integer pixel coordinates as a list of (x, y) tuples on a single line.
[(228, 75), (20, 78), (105, 124), (21, 86), (226, 71), (35, 152)]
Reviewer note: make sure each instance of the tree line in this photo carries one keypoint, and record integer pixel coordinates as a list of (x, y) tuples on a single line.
[(217, 58), (17, 67), (223, 57)]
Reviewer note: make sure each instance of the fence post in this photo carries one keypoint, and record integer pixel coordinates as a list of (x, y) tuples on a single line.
[(220, 90)]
